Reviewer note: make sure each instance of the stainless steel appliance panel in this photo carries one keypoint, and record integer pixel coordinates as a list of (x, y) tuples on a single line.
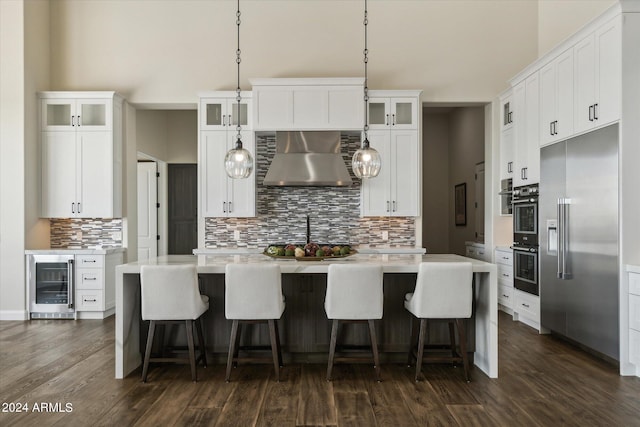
[(583, 305)]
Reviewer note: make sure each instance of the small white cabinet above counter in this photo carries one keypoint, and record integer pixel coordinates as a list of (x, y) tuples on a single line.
[(308, 103)]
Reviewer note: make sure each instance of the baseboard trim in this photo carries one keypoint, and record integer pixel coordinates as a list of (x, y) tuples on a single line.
[(14, 315)]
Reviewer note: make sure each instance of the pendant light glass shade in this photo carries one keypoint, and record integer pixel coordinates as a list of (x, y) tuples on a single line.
[(366, 161), (238, 162)]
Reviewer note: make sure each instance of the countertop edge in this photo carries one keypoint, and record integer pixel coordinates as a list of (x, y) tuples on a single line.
[(362, 250), (79, 251)]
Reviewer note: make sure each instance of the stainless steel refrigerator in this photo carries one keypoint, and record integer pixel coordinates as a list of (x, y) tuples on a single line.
[(579, 240)]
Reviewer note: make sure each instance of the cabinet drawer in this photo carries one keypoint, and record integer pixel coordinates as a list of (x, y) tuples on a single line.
[(89, 278), (634, 347), (88, 300), (505, 295), (505, 258), (526, 305), (505, 273), (89, 261), (634, 283), (634, 312)]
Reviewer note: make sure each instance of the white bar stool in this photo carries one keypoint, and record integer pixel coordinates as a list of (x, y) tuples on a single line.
[(443, 291), (253, 294), (170, 294), (354, 294)]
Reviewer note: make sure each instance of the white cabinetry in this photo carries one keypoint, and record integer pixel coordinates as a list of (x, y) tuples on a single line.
[(95, 285), (598, 62), (308, 104), (475, 250), (506, 136), (634, 319), (81, 154), (526, 308), (556, 99), (527, 146), (221, 196), (504, 261), (396, 190)]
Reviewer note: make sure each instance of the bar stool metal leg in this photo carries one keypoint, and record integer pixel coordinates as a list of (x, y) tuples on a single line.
[(374, 347), (275, 350), (452, 340), (147, 352), (278, 345), (332, 347), (192, 352), (463, 347), (203, 348), (232, 345), (421, 342)]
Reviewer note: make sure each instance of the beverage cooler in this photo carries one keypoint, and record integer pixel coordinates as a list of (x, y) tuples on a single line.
[(51, 286)]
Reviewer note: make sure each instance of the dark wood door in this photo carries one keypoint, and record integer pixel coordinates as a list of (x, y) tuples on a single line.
[(183, 208)]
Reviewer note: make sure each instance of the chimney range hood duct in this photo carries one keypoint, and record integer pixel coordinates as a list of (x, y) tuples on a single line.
[(309, 158)]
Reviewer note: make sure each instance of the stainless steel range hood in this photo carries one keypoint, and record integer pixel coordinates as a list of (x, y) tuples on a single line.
[(305, 158)]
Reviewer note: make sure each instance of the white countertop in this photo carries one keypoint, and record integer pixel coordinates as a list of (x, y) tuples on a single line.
[(391, 263), (360, 249), (83, 251), (633, 268)]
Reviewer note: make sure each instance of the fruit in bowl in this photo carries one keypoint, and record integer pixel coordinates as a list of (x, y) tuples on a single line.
[(299, 253), (311, 249)]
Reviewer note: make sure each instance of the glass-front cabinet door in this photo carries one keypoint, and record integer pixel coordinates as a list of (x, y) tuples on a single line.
[(223, 113), (393, 113), (75, 114)]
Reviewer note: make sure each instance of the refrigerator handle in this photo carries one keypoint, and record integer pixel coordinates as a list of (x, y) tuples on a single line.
[(560, 234), (70, 287), (566, 273)]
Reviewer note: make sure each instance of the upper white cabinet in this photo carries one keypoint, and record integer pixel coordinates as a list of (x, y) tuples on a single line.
[(507, 140), (308, 104), (393, 113), (598, 63), (396, 190), (81, 154), (506, 111), (223, 113), (221, 196), (556, 99), (527, 149)]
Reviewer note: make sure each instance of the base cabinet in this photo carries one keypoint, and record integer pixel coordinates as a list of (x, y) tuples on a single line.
[(504, 261), (526, 308), (95, 296)]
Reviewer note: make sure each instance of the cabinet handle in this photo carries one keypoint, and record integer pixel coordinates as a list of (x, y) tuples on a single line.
[(551, 128), (387, 206), (79, 121), (89, 260), (89, 278), (79, 210), (506, 296), (555, 127), (387, 121), (590, 113), (522, 173), (595, 111), (505, 274), (393, 119), (90, 300), (505, 257), (230, 207), (525, 305), (224, 120), (394, 206), (510, 167), (510, 116), (224, 206), (73, 208)]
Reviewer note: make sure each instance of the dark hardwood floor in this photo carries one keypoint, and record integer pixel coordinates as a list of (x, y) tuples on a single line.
[(542, 382)]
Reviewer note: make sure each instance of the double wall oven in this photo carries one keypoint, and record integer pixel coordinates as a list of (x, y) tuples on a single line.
[(525, 238)]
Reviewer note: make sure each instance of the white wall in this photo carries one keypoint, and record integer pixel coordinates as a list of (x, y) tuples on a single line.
[(557, 20), (167, 51)]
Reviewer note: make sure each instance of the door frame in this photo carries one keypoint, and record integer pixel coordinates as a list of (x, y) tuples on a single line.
[(163, 230)]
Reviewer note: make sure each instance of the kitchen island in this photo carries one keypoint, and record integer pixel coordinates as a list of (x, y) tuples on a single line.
[(304, 328)]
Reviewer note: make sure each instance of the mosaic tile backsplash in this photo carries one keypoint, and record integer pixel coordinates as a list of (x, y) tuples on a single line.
[(281, 211), (85, 233)]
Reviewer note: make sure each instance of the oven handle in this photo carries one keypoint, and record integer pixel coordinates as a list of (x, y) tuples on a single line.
[(71, 283), (524, 201)]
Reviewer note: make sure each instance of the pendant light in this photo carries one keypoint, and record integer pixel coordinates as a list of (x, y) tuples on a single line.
[(238, 162), (366, 161)]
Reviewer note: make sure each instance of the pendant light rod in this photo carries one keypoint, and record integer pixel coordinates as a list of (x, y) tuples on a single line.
[(366, 87), (238, 96)]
